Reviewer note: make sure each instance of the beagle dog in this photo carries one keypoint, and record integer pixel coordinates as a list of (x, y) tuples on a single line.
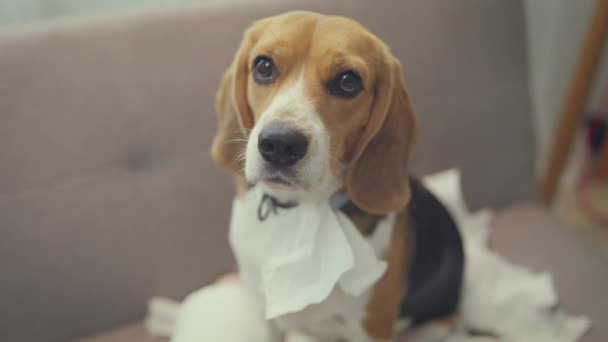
[(314, 107)]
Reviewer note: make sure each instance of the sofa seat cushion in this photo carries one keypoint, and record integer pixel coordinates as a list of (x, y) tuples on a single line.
[(134, 332), (529, 235)]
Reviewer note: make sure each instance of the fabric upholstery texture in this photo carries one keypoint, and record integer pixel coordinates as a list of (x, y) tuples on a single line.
[(108, 195), (517, 233)]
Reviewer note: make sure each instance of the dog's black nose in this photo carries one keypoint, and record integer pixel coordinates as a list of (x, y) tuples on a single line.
[(281, 145)]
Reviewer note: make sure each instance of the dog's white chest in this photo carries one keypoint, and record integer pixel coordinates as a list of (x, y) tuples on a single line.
[(312, 269)]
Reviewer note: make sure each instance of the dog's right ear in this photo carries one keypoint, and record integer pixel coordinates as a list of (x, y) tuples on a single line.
[(230, 139), (234, 116)]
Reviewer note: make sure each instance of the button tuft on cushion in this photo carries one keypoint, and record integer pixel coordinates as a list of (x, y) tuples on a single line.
[(139, 158)]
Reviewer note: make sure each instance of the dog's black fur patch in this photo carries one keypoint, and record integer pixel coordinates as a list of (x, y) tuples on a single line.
[(436, 260)]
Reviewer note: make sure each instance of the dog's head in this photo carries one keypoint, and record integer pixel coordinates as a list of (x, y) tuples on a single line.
[(312, 103)]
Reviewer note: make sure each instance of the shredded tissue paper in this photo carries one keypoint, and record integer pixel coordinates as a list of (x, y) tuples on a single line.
[(511, 302), (302, 254)]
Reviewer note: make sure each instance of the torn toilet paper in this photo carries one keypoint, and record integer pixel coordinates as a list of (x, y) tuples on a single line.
[(295, 258), (499, 297), (509, 301)]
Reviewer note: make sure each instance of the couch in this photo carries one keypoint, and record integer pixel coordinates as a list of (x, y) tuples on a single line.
[(108, 195)]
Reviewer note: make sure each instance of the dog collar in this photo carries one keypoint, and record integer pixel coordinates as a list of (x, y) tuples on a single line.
[(270, 204), (340, 201)]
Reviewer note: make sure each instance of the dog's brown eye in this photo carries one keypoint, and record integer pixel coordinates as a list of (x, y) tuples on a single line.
[(347, 84), (264, 71)]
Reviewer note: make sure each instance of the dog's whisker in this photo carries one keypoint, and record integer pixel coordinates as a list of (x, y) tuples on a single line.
[(235, 140), (240, 156)]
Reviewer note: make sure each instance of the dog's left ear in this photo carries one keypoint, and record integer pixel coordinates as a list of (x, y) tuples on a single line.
[(234, 116), (377, 177)]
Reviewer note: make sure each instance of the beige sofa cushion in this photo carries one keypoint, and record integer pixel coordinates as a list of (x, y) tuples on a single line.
[(135, 332), (108, 195), (529, 235), (526, 235)]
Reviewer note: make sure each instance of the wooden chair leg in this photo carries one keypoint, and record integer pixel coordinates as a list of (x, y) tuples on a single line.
[(601, 169), (574, 104)]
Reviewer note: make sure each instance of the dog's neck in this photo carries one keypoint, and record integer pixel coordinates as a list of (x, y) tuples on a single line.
[(323, 193), (338, 200)]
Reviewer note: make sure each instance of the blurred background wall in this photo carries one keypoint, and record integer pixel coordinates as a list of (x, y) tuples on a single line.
[(23, 11), (555, 30)]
